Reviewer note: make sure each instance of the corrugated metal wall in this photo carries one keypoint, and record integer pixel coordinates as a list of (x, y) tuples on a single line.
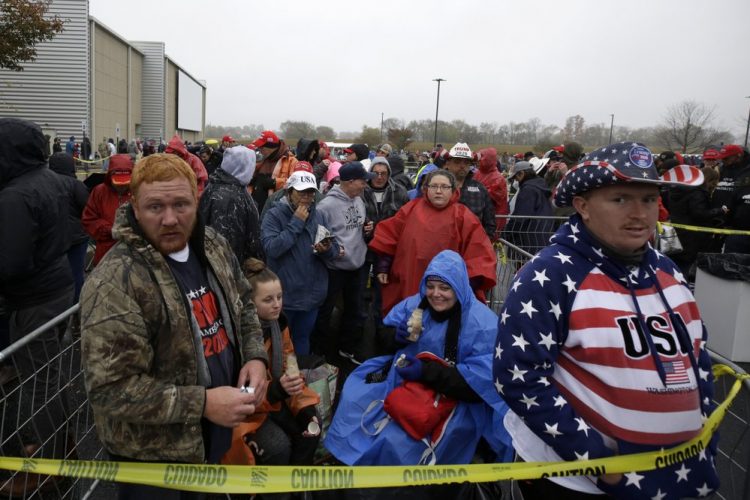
[(54, 90), (152, 90)]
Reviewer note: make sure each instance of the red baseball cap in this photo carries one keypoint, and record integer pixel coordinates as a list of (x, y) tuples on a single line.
[(120, 177), (227, 138), (303, 166), (267, 139), (730, 150), (710, 154)]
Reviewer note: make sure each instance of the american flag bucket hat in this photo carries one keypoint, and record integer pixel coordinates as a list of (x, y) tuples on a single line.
[(619, 163)]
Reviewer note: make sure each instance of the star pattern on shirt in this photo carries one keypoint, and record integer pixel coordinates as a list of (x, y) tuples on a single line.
[(560, 401), (704, 490), (679, 276), (581, 456), (498, 351), (529, 402), (634, 479), (634, 275), (518, 374), (543, 381), (503, 316), (519, 341), (552, 429), (582, 425), (528, 308), (541, 277), (499, 386), (682, 473), (516, 284), (192, 294), (564, 259), (547, 340), (659, 495), (555, 309), (703, 374), (569, 284)]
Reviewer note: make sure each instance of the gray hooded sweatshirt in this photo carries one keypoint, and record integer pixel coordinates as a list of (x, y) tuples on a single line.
[(345, 217)]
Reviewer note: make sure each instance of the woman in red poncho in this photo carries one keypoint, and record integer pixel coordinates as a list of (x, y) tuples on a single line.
[(436, 221)]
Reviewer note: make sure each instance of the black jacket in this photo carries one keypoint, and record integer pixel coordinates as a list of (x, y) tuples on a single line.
[(739, 204), (214, 162), (64, 164), (227, 207), (692, 206), (397, 172), (33, 219), (307, 150), (533, 199), (724, 194), (476, 198), (394, 197)]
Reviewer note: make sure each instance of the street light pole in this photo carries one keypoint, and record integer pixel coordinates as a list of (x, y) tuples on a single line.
[(611, 127), (437, 106), (381, 127), (747, 129)]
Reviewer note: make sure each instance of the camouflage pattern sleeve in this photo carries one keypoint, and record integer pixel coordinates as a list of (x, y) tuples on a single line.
[(121, 315)]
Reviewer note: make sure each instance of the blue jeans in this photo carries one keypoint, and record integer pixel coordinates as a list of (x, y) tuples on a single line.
[(301, 324)]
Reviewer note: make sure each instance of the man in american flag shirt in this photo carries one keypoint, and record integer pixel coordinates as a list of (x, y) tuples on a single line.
[(601, 348)]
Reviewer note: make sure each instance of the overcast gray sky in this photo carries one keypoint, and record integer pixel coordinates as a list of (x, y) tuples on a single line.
[(342, 63)]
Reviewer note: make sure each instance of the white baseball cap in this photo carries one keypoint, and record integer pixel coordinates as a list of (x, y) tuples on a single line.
[(301, 181), (460, 150)]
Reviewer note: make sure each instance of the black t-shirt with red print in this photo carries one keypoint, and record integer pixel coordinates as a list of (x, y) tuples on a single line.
[(192, 279)]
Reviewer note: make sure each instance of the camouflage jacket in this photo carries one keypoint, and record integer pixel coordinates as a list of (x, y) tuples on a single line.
[(141, 351)]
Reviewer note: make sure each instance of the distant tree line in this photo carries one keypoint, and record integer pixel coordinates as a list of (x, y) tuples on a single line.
[(688, 126)]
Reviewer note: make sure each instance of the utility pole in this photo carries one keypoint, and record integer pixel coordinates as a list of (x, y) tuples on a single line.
[(747, 129), (611, 127), (381, 127), (437, 106)]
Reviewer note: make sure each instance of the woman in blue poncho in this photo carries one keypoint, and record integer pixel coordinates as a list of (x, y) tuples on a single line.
[(451, 356)]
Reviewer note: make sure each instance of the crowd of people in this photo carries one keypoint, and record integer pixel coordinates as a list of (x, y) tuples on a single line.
[(216, 278)]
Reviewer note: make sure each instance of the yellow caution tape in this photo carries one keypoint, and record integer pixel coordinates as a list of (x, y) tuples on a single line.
[(100, 160), (714, 230), (277, 479)]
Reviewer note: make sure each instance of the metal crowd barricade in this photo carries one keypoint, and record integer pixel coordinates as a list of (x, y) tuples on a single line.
[(520, 238), (75, 437), (733, 457), (54, 393)]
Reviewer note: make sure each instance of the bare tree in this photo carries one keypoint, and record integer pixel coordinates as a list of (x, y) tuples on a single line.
[(689, 127), (574, 126)]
